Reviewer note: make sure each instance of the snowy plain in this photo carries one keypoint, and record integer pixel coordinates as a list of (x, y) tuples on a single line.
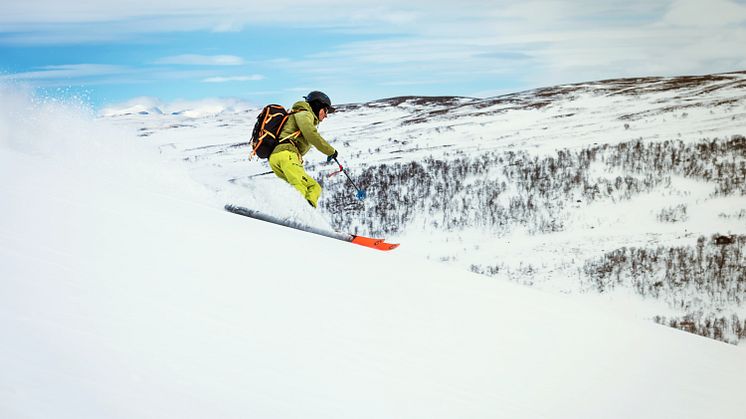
[(126, 292)]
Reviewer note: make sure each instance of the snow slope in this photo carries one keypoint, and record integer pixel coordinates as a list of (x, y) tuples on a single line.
[(536, 124), (124, 295)]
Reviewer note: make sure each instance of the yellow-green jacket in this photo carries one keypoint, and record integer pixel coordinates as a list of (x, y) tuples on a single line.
[(304, 121)]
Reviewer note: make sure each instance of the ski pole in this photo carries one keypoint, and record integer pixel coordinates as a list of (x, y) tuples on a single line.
[(360, 193)]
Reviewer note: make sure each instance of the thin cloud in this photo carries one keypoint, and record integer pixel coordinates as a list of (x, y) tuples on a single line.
[(68, 71), (253, 77), (207, 60)]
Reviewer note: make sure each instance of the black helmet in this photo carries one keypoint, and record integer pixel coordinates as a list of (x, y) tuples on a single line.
[(321, 98)]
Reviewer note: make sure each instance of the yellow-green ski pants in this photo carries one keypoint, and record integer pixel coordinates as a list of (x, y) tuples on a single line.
[(287, 166)]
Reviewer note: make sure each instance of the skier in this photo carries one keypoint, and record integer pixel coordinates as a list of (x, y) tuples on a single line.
[(298, 135)]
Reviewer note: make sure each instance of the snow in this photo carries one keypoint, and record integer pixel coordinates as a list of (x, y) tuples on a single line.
[(535, 124), (127, 292)]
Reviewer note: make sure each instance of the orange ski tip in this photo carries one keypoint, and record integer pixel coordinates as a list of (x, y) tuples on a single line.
[(373, 243), (366, 241)]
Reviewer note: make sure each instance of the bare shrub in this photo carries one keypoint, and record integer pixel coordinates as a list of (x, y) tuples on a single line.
[(701, 281), (674, 214), (499, 191)]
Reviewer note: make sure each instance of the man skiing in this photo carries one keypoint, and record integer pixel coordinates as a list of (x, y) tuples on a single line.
[(298, 135)]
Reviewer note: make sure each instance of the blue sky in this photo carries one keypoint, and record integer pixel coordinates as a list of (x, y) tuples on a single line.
[(111, 51)]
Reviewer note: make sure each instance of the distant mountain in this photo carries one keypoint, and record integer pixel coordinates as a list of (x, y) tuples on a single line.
[(191, 109), (132, 110)]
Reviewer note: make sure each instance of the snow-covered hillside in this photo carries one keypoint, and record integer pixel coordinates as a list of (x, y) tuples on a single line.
[(124, 293), (554, 187)]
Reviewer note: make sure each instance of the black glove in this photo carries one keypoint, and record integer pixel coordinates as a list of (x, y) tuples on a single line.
[(332, 157)]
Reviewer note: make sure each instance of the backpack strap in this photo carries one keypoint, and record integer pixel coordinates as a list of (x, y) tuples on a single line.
[(294, 135), (269, 112)]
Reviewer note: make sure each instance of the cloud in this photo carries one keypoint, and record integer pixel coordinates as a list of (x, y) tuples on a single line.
[(97, 74), (68, 71), (548, 42), (154, 16), (253, 77), (195, 59), (712, 13), (489, 43)]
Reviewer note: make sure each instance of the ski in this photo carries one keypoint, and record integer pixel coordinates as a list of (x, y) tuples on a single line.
[(378, 244)]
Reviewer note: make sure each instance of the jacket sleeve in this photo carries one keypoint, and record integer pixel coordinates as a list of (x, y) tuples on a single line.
[(311, 134)]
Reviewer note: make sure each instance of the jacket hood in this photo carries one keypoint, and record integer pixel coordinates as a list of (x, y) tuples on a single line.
[(305, 106), (302, 105)]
